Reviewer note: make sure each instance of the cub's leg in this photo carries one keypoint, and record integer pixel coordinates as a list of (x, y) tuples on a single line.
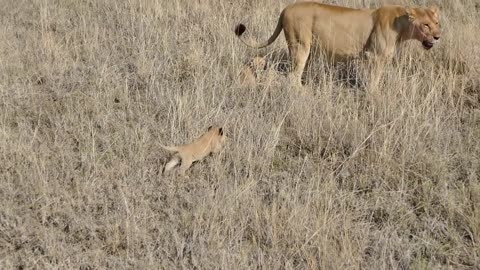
[(171, 164), (186, 163)]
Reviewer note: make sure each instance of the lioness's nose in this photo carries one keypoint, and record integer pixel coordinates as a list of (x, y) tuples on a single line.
[(436, 38)]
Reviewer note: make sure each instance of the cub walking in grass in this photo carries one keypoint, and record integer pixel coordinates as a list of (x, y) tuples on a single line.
[(210, 142)]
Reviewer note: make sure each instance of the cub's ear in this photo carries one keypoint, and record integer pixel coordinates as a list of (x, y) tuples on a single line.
[(410, 13), (220, 131), (210, 127)]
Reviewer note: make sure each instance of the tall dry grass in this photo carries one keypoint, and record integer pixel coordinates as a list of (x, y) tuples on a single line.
[(343, 177)]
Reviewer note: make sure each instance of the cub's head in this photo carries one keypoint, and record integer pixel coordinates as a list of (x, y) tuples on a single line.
[(217, 138), (424, 25)]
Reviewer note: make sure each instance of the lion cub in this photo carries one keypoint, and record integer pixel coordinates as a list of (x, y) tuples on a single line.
[(210, 142), (249, 72)]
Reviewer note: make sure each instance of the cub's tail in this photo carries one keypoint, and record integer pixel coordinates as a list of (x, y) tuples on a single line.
[(169, 148)]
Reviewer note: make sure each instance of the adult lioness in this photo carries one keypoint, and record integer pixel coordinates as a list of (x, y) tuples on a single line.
[(346, 32)]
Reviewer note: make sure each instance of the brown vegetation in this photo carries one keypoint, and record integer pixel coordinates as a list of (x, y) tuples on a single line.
[(341, 177)]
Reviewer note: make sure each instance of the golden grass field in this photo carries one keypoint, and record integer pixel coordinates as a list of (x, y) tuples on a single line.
[(340, 177)]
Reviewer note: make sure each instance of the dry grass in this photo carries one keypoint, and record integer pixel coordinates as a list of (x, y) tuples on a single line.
[(341, 178)]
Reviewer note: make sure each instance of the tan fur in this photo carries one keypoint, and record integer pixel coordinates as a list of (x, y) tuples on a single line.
[(210, 142), (344, 33), (248, 74)]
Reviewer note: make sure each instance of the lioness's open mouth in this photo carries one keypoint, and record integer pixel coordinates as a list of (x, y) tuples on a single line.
[(427, 44)]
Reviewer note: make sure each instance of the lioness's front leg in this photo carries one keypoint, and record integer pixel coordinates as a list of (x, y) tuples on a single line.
[(379, 55), (377, 65)]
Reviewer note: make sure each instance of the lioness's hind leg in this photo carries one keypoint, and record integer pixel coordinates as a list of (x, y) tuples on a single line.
[(299, 53)]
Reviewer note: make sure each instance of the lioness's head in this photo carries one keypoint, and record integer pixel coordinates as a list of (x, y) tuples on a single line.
[(424, 25), (217, 138)]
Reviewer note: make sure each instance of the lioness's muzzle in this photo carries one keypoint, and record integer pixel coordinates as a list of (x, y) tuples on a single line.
[(427, 44)]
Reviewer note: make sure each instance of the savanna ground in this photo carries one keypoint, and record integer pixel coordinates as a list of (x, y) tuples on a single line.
[(341, 177)]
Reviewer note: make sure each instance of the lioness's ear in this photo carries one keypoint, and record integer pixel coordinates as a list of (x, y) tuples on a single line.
[(434, 9), (220, 131), (410, 13)]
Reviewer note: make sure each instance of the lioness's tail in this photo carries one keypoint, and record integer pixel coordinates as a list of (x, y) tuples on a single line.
[(240, 29), (169, 148)]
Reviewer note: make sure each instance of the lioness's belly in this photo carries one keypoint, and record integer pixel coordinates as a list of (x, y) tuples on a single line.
[(342, 34)]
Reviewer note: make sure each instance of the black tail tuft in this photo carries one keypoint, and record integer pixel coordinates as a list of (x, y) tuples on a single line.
[(240, 29)]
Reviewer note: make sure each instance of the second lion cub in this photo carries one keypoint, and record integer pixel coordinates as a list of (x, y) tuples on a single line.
[(210, 142)]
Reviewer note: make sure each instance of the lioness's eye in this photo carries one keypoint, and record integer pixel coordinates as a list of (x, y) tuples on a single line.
[(428, 26)]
